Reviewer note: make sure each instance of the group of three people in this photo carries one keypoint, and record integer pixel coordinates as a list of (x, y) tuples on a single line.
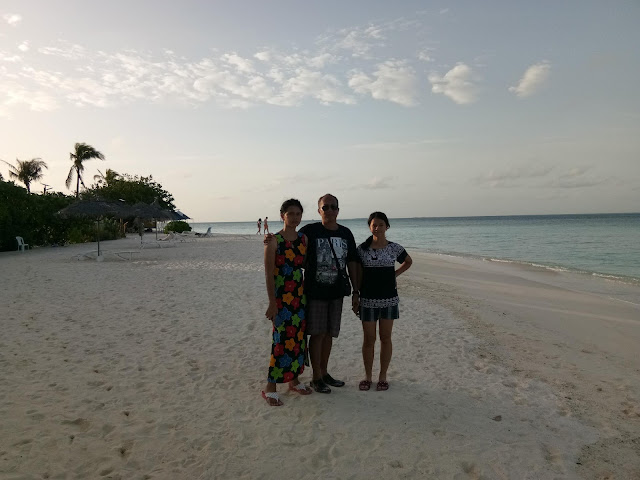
[(310, 303)]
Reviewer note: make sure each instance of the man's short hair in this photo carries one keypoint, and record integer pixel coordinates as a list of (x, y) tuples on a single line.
[(328, 195)]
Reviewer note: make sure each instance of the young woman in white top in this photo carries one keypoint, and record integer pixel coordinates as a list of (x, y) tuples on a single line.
[(379, 295)]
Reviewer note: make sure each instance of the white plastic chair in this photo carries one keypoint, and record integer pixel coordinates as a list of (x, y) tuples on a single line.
[(21, 244)]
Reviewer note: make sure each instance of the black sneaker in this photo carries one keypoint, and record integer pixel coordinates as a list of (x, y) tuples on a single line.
[(319, 386), (329, 380)]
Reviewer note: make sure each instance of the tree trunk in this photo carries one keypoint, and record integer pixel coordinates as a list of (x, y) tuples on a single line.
[(77, 183)]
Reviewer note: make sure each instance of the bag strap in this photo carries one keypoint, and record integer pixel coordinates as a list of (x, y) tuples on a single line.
[(335, 256)]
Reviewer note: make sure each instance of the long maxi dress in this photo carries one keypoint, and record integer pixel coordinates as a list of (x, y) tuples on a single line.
[(289, 343)]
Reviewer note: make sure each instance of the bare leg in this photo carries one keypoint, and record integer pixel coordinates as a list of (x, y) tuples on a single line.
[(369, 330), (327, 342), (315, 355), (386, 325)]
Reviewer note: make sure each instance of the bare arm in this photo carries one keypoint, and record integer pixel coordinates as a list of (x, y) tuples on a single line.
[(269, 267), (355, 274), (404, 266)]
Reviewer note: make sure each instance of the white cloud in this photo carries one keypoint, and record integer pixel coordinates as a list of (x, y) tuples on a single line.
[(12, 19), (37, 100), (67, 50), (457, 84), (393, 80), (242, 64), (10, 58), (307, 83), (425, 55), (263, 56), (512, 176), (380, 183), (24, 47), (532, 80)]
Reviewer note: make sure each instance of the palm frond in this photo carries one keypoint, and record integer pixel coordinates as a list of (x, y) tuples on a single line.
[(70, 177)]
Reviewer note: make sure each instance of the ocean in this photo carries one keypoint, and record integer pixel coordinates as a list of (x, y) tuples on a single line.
[(604, 245)]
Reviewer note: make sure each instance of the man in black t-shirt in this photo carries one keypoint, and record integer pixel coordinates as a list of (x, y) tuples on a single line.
[(331, 248)]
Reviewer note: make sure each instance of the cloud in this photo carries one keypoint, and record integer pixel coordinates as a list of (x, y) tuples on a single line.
[(359, 40), (457, 84), (362, 41), (577, 177), (532, 80), (512, 176), (380, 183), (15, 94), (241, 64), (12, 19), (425, 55), (541, 176), (24, 47), (393, 80)]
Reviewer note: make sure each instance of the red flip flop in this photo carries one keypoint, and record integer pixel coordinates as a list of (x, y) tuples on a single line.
[(301, 388)]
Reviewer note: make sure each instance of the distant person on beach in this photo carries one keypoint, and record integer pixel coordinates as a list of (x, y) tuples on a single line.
[(266, 225), (259, 226), (284, 254), (379, 295)]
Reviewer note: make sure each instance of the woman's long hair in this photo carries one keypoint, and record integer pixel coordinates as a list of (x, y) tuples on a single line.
[(375, 215)]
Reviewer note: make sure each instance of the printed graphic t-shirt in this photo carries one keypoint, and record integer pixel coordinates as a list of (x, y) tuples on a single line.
[(320, 279), (378, 288)]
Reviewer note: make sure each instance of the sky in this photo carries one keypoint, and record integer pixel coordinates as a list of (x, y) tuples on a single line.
[(414, 108)]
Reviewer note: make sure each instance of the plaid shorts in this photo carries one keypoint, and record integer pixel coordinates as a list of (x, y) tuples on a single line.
[(375, 314), (323, 316)]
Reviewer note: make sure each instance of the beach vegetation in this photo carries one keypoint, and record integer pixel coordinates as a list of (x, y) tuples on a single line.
[(131, 189), (81, 153), (27, 171), (177, 226), (33, 216)]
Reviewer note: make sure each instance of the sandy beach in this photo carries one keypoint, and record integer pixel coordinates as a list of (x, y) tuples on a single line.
[(152, 369)]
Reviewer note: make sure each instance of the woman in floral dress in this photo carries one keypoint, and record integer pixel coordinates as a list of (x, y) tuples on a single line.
[(283, 258)]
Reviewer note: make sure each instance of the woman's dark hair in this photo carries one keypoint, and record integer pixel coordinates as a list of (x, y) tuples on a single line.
[(375, 215), (379, 216), (292, 202)]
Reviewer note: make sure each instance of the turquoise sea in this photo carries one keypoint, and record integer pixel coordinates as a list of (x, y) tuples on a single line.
[(606, 245)]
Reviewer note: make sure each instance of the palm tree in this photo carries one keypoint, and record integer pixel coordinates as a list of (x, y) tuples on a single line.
[(81, 152), (27, 171), (107, 178)]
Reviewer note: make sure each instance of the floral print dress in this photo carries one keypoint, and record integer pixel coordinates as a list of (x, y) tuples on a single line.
[(289, 343)]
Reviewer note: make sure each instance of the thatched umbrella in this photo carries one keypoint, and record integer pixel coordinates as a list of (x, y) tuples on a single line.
[(95, 209), (153, 211), (178, 215)]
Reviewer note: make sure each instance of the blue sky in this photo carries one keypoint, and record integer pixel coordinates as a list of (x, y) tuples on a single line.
[(412, 108)]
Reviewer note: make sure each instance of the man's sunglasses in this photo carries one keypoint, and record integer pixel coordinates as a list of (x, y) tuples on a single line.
[(326, 208)]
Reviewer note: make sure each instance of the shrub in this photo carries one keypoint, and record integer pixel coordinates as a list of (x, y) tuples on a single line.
[(177, 226)]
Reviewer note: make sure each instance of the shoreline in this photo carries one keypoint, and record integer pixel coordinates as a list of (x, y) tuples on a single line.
[(153, 367)]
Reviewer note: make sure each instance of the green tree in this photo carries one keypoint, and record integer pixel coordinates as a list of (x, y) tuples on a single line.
[(132, 189), (106, 179), (27, 171), (80, 154)]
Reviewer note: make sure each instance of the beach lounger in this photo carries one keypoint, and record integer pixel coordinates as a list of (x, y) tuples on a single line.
[(124, 254), (90, 255), (205, 235)]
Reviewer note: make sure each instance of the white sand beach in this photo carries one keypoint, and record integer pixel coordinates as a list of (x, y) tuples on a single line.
[(152, 369)]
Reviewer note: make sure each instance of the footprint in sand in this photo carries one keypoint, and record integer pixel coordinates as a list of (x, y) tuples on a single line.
[(82, 423)]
